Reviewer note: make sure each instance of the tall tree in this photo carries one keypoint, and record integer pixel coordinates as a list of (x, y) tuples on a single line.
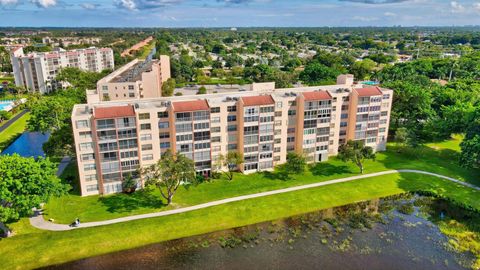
[(295, 163), (470, 156), (356, 152), (168, 87), (169, 172), (25, 183), (232, 161)]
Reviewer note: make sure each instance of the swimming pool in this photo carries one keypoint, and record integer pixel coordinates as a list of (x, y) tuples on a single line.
[(6, 105)]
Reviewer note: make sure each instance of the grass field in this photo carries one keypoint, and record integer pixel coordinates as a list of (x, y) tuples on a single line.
[(13, 131), (45, 248), (94, 208)]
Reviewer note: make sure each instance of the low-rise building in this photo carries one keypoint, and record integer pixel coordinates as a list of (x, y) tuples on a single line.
[(36, 71), (113, 139)]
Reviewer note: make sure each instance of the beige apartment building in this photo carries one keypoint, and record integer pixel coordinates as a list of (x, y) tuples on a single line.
[(136, 80), (115, 138)]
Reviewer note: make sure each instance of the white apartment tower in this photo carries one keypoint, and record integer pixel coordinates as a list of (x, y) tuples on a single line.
[(37, 71)]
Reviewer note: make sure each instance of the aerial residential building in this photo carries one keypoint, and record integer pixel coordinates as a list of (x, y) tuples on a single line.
[(115, 138), (137, 79), (37, 70)]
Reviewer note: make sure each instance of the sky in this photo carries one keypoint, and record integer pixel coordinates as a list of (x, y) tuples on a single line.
[(238, 13)]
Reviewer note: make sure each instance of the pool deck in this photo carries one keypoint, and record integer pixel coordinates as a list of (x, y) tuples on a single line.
[(11, 121)]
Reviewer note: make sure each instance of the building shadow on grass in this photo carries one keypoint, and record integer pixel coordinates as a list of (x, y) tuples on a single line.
[(326, 169), (280, 173), (120, 203)]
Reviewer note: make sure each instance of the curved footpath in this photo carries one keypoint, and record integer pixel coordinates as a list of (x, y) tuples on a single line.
[(39, 222)]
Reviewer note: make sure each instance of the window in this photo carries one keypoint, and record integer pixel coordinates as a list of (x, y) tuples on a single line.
[(185, 116), (91, 177), (147, 157), (202, 126), (126, 144), (91, 188), (82, 123), (231, 118), (215, 110), (217, 149), (279, 104), (199, 146), (146, 147), (164, 145), (344, 115), (231, 128), (201, 115), (145, 137), (145, 126), (186, 137), (89, 167), (216, 139), (128, 154), (215, 129), (85, 134), (201, 136), (232, 147), (386, 96), (278, 114), (186, 127), (384, 113), (231, 108), (267, 109), (86, 146), (164, 135), (292, 103), (292, 112), (162, 114), (87, 157), (131, 95), (163, 125), (215, 119), (343, 124), (144, 116)]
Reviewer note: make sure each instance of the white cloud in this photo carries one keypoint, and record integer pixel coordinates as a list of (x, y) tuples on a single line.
[(45, 3), (476, 7), (8, 2), (89, 6), (128, 4), (390, 14), (457, 7)]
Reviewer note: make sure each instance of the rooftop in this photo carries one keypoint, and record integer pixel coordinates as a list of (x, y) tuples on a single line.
[(317, 95), (113, 112), (258, 100), (369, 91), (133, 73), (190, 106)]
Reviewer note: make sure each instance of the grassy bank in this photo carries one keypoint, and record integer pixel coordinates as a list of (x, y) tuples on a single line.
[(46, 248), (13, 131), (94, 208)]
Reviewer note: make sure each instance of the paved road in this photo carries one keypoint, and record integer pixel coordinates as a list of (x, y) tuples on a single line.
[(11, 121), (39, 222)]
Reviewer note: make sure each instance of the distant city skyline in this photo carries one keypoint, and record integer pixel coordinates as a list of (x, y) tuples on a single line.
[(238, 13)]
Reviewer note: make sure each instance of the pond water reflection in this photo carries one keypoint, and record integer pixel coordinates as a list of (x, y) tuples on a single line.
[(29, 144), (390, 233)]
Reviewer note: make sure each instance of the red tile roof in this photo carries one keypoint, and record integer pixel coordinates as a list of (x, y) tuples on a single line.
[(369, 91), (190, 106), (258, 100), (113, 112), (317, 95)]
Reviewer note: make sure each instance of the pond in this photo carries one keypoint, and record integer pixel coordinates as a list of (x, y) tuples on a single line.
[(29, 144), (398, 232)]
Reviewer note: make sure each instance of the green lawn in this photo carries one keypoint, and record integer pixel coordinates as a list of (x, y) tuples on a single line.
[(32, 248), (94, 208), (45, 248), (13, 131)]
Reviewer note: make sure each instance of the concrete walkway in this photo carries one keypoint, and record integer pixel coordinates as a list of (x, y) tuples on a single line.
[(39, 222), (11, 121)]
